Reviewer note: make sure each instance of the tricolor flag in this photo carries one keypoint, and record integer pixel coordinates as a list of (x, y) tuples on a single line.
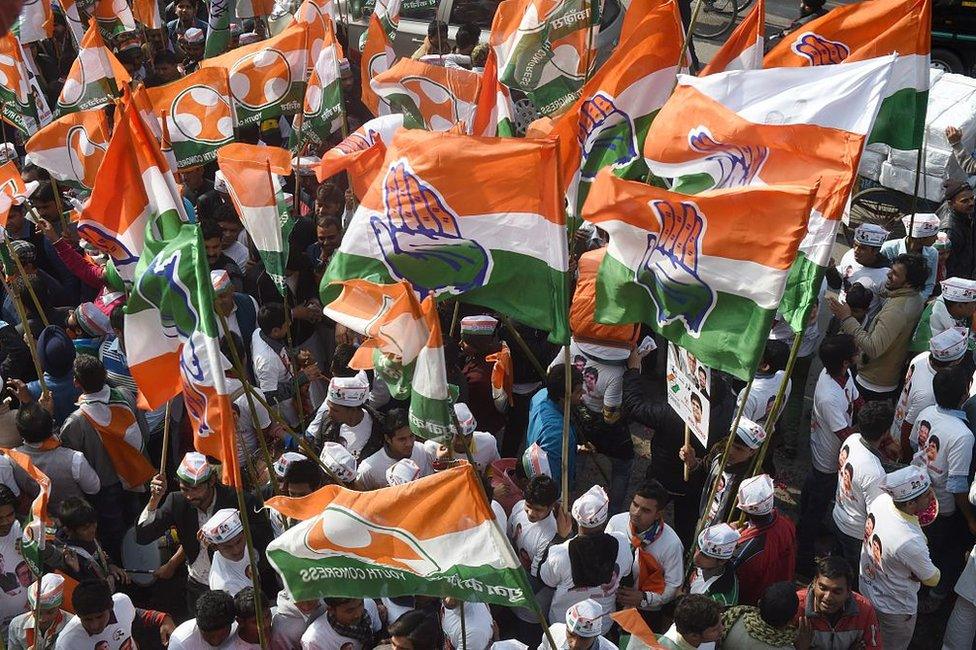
[(252, 180), (543, 48), (34, 536), (199, 118), (607, 125), (367, 544), (361, 152), (36, 22), (16, 103), (267, 78), (697, 268), (320, 16), (93, 80), (503, 247), (147, 13), (778, 126), (72, 148), (322, 110), (12, 183), (743, 49), (114, 17), (218, 28), (72, 14), (112, 417), (431, 413), (430, 96), (254, 8), (868, 30), (377, 51), (494, 112)]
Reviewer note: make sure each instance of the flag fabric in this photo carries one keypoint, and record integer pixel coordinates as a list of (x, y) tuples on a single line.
[(696, 269), (35, 23), (114, 17), (72, 15), (743, 50), (322, 110), (18, 108), (218, 28), (12, 183), (502, 376), (543, 48), (320, 16), (430, 96), (502, 247), (267, 78), (607, 125), (34, 528), (868, 30), (198, 114), (361, 153), (431, 412), (252, 180), (377, 51), (111, 416), (367, 544), (494, 112), (147, 13), (254, 8), (92, 81), (774, 126), (71, 148)]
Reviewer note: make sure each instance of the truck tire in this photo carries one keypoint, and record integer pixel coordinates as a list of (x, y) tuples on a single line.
[(947, 61)]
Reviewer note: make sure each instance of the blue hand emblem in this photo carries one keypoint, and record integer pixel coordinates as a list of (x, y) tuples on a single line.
[(606, 135), (739, 165)]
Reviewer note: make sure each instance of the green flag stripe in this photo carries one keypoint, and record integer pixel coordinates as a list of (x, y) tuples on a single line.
[(802, 291), (901, 119)]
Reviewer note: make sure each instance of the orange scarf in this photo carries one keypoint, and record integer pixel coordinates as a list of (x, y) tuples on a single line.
[(650, 573), (112, 419)]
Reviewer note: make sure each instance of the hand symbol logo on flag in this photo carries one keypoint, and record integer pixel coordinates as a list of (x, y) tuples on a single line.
[(818, 50), (420, 241), (738, 165), (356, 142), (202, 115), (260, 79), (606, 135), (84, 155), (11, 79), (669, 268), (107, 242)]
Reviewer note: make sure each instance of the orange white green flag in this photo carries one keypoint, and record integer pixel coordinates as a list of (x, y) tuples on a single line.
[(114, 17), (71, 148), (12, 183), (743, 49), (320, 16), (35, 23), (199, 118), (146, 12), (322, 110), (377, 51), (254, 8), (267, 79), (503, 247), (16, 103), (430, 96), (774, 126), (357, 144), (73, 17), (92, 81), (495, 111), (34, 535), (868, 30), (367, 544), (696, 268), (112, 417)]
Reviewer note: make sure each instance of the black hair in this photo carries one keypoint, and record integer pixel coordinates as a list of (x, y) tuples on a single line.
[(305, 471), (934, 440), (396, 419), (653, 489), (419, 627), (210, 230), (835, 350), (340, 360), (44, 192), (541, 491), (165, 57), (859, 296), (90, 373), (695, 398), (117, 318), (951, 386), (34, 423), (339, 601), (270, 316), (226, 212), (215, 610), (467, 35), (556, 380), (776, 353), (326, 220), (916, 269), (7, 497), (91, 597), (834, 567), (874, 419), (437, 27), (696, 613), (76, 512), (244, 602), (778, 604)]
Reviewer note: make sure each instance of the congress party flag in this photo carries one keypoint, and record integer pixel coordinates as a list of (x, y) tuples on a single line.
[(367, 544), (503, 247), (431, 410), (743, 50), (361, 153), (697, 268), (377, 51), (254, 8), (267, 79), (218, 28), (35, 23), (774, 126), (95, 76), (199, 118), (109, 413), (146, 12), (870, 30), (16, 102), (12, 183), (34, 536), (72, 14), (322, 110), (494, 113), (114, 17), (430, 96), (71, 148)]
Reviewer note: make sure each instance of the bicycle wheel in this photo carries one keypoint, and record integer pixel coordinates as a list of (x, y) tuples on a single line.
[(715, 18)]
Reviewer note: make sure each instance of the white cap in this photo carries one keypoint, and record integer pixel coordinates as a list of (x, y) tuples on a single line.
[(465, 419), (348, 391), (508, 644), (535, 462), (585, 618), (591, 509), (193, 35), (906, 483), (194, 469), (949, 345), (870, 234), (7, 152), (52, 591), (284, 461), (305, 165), (751, 433), (718, 541), (339, 461), (401, 472), (925, 224), (224, 526), (248, 38), (756, 495), (959, 290), (220, 182)]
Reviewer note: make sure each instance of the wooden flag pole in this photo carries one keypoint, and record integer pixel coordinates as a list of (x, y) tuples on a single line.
[(464, 627), (57, 203), (567, 398), (30, 289), (252, 558), (37, 607), (164, 455), (28, 335), (525, 347), (687, 442)]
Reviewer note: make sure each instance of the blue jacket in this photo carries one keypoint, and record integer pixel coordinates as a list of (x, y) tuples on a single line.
[(546, 428)]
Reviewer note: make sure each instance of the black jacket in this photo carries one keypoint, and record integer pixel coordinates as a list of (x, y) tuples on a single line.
[(962, 236)]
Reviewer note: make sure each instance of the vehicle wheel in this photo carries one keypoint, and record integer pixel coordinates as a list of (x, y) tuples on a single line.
[(881, 206), (525, 114), (715, 18), (947, 61)]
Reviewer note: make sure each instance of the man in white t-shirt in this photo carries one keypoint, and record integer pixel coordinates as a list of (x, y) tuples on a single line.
[(482, 446), (398, 442), (13, 593), (250, 629), (864, 264), (835, 401), (478, 630), (344, 418), (895, 559), (348, 624), (211, 629), (531, 529), (104, 621), (860, 471), (230, 568), (582, 630), (769, 377)]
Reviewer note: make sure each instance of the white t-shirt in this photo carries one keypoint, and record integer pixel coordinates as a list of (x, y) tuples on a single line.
[(602, 382), (229, 575), (762, 395), (966, 585), (666, 548), (940, 320), (187, 637), (353, 438), (530, 541), (320, 635), (944, 443), (873, 279), (269, 371), (247, 441), (558, 632), (13, 596), (857, 486), (557, 572), (833, 410), (7, 475), (477, 626), (916, 395), (372, 471), (117, 635), (484, 449), (887, 579)]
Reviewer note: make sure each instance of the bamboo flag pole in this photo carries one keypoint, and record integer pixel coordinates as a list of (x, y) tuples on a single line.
[(567, 398), (26, 280), (253, 559), (28, 335), (164, 455), (525, 347), (687, 442)]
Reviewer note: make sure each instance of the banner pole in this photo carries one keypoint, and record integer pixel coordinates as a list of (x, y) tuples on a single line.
[(164, 455), (567, 397), (252, 558), (525, 347), (20, 269), (688, 442), (28, 335)]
